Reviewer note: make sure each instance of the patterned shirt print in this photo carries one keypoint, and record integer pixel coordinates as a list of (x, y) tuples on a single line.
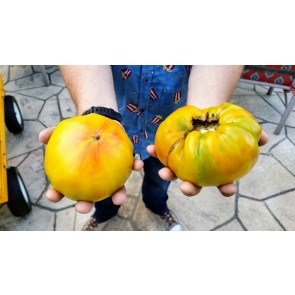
[(146, 95)]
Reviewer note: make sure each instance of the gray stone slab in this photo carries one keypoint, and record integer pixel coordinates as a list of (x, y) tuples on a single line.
[(24, 142), (127, 208), (32, 172), (202, 212), (42, 92), (258, 107), (4, 73), (285, 153), (272, 138), (255, 216), (67, 107), (56, 79), (143, 219), (17, 72), (234, 225), (32, 81), (50, 115), (283, 208), (267, 178), (133, 184), (65, 220), (81, 219), (118, 224), (36, 220), (14, 162), (291, 134)]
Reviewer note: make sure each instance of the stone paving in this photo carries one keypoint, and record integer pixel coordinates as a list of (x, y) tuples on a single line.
[(265, 199)]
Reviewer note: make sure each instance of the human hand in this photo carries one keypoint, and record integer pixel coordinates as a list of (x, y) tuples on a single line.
[(83, 206), (189, 189)]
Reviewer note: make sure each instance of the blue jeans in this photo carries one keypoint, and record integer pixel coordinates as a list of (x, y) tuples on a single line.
[(154, 193)]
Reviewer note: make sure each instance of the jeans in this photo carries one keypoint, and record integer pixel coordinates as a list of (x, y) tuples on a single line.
[(154, 193)]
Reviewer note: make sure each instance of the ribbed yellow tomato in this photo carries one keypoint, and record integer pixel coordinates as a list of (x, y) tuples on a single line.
[(209, 147), (88, 157)]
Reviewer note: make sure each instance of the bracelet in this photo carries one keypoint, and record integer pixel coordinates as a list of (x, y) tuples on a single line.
[(107, 112)]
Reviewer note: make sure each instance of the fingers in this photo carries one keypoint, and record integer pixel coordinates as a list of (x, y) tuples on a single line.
[(167, 174), (151, 150), (120, 196), (137, 165), (84, 207), (45, 134), (188, 189), (228, 190), (53, 195), (263, 138)]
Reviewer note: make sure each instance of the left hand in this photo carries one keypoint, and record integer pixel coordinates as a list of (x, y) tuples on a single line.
[(189, 189)]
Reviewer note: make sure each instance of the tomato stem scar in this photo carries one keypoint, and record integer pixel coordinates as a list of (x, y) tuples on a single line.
[(207, 122)]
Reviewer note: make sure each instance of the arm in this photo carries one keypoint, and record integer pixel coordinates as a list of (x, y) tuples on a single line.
[(212, 85), (90, 86)]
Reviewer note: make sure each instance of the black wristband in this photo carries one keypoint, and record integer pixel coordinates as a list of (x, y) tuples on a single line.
[(107, 112)]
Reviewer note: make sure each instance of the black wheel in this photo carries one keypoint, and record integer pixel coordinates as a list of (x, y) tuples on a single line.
[(19, 201), (13, 117)]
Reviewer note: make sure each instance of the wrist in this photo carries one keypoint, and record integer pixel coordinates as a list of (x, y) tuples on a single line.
[(107, 112)]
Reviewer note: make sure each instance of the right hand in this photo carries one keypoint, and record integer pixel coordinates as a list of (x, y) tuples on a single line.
[(53, 195)]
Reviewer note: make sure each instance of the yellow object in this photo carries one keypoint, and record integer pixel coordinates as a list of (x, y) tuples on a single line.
[(3, 173)]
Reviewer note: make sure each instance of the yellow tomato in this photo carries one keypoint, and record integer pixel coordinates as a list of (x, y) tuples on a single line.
[(88, 157), (209, 147)]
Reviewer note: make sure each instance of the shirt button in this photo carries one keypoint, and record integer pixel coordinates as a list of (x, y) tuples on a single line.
[(165, 90), (134, 92), (146, 80), (146, 121), (180, 76), (152, 72)]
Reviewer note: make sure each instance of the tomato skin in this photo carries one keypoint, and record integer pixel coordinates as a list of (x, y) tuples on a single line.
[(88, 157), (217, 153)]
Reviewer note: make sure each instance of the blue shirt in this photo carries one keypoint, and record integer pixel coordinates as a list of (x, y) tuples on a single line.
[(146, 95)]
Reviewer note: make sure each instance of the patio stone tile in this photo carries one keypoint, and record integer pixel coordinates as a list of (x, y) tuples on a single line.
[(285, 153), (81, 219), (283, 208), (56, 79), (42, 92), (118, 224), (258, 108), (272, 138), (133, 184), (32, 173), (50, 115), (234, 225), (202, 212), (143, 219), (4, 73), (291, 134), (261, 182), (24, 142), (67, 107), (291, 119), (65, 220), (17, 72), (32, 81), (255, 216), (127, 208), (14, 162), (36, 220)]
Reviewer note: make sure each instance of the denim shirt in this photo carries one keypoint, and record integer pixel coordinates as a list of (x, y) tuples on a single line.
[(146, 95)]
